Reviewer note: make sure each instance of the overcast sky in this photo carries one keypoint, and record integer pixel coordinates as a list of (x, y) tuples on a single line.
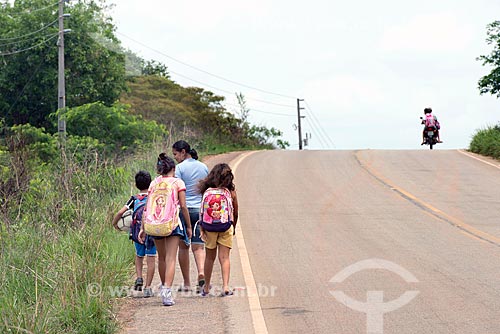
[(366, 69)]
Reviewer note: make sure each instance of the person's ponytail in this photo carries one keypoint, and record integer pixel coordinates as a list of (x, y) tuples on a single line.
[(193, 154)]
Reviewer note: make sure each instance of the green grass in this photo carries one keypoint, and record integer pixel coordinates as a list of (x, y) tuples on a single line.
[(58, 246), (61, 247), (487, 141)]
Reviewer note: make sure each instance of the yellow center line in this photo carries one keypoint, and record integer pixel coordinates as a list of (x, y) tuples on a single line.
[(465, 228), (259, 324)]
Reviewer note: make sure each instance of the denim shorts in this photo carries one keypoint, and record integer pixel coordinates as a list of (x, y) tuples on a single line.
[(141, 250), (194, 215)]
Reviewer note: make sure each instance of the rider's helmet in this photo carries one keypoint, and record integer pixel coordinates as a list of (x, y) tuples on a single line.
[(427, 110)]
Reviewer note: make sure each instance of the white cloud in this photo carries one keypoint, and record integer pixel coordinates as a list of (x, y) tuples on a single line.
[(346, 93), (438, 32)]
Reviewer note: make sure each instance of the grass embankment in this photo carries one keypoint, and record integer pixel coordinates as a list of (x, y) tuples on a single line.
[(63, 277), (62, 264), (487, 142)]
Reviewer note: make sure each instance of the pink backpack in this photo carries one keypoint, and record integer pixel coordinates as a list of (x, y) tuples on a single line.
[(429, 120), (216, 210), (161, 216)]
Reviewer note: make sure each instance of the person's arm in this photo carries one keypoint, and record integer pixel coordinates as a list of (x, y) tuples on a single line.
[(119, 214), (185, 212), (235, 209), (117, 217)]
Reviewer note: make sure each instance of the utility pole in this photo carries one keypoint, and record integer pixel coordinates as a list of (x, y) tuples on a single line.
[(299, 126), (61, 83)]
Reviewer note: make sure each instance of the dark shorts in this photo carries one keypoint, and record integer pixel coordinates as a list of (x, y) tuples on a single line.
[(194, 215)]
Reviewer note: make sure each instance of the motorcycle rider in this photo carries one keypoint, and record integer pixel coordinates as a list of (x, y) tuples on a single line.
[(430, 120)]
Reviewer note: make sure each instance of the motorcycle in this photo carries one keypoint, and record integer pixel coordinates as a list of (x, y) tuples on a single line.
[(430, 136)]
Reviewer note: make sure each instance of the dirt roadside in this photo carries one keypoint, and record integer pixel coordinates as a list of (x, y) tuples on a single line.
[(191, 313)]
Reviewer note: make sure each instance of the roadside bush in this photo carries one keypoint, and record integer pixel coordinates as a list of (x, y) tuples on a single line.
[(487, 142)]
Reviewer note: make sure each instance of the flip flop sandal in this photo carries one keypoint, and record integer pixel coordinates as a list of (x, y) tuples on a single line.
[(138, 284), (201, 281), (227, 293)]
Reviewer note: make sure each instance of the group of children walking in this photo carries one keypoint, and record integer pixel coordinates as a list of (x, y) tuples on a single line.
[(186, 207)]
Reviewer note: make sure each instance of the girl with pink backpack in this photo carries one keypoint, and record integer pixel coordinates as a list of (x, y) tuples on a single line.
[(166, 199)]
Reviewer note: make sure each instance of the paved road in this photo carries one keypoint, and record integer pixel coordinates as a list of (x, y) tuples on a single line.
[(353, 225), (423, 221)]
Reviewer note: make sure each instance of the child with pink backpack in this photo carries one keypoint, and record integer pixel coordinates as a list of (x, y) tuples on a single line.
[(166, 199), (218, 218), (430, 121)]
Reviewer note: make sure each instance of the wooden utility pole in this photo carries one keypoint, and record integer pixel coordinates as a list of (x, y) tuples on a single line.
[(61, 100), (299, 126)]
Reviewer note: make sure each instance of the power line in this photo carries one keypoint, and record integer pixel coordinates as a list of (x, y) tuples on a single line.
[(33, 11), (319, 124), (33, 73), (29, 34), (226, 91), (206, 72), (261, 111), (313, 129), (25, 40), (29, 48), (314, 124)]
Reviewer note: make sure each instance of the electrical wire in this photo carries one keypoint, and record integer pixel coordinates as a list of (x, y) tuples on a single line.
[(31, 33), (226, 91), (33, 11), (33, 73), (206, 72), (25, 40), (261, 111), (314, 118), (313, 129), (29, 48)]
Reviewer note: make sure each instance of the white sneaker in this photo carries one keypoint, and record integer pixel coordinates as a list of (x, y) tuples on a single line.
[(166, 296)]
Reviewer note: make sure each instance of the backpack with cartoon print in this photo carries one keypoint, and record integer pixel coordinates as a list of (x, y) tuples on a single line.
[(162, 208), (216, 214)]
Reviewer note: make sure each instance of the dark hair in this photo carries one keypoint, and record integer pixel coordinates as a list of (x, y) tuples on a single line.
[(220, 176), (427, 110), (142, 180), (183, 145), (165, 164)]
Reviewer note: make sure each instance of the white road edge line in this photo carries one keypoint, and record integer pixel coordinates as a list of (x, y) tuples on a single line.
[(473, 157), (259, 324)]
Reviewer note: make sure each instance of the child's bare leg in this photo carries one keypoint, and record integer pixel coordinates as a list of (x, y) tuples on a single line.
[(199, 258), (161, 248), (225, 266), (209, 265), (171, 245), (151, 263), (184, 262), (139, 260)]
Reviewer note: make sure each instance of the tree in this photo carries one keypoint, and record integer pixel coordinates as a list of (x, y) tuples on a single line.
[(491, 83), (29, 54), (114, 126), (152, 67)]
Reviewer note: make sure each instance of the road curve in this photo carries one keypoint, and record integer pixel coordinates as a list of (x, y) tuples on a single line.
[(372, 241)]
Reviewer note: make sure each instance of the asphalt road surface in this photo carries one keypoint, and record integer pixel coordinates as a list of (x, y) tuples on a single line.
[(354, 242), (372, 241)]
